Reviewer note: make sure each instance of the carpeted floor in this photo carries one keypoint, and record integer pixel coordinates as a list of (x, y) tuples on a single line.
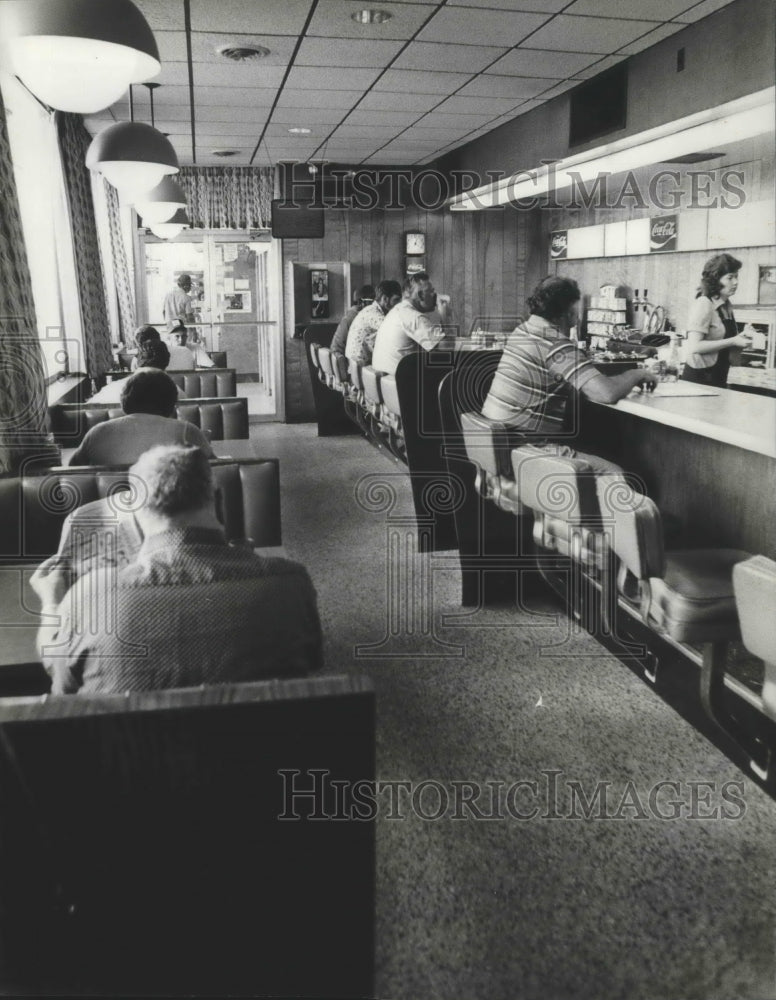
[(589, 879)]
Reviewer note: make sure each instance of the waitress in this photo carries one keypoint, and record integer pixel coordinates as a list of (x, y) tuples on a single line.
[(711, 326)]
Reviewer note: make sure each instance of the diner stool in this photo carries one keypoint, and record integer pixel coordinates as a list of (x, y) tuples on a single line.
[(488, 445), (325, 360), (314, 349), (390, 415), (754, 585), (373, 402), (562, 494), (686, 595)]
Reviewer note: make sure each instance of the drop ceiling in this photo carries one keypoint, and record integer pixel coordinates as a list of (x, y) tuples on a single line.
[(432, 77)]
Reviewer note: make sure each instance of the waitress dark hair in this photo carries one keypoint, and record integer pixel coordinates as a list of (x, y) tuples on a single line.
[(553, 296), (714, 270)]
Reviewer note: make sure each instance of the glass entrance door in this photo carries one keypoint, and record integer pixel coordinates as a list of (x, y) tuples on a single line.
[(235, 304)]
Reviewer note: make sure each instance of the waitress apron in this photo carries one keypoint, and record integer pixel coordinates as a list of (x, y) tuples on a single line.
[(717, 374)]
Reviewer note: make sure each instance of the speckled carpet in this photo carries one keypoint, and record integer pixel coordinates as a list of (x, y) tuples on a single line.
[(561, 832)]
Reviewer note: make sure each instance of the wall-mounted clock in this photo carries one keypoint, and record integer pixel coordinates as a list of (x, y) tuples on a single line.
[(414, 243)]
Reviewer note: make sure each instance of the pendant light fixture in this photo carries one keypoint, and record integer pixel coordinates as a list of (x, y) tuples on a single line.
[(132, 156), (171, 229), (78, 55), (162, 202)]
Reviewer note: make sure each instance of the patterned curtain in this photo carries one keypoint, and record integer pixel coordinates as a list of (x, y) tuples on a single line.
[(22, 379), (73, 142), (121, 277), (228, 197)]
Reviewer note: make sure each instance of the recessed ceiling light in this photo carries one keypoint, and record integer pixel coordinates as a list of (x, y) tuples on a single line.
[(225, 152), (368, 16), (300, 131), (242, 53)]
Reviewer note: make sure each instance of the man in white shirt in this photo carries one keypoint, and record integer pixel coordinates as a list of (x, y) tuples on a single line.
[(178, 306), (414, 324), (181, 358)]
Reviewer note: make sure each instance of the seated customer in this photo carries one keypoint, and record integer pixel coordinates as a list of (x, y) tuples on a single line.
[(363, 330), (181, 358), (363, 297), (188, 610), (148, 399), (154, 355), (142, 335), (413, 325), (539, 369)]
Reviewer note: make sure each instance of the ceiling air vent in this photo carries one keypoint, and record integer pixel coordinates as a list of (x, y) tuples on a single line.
[(225, 152), (242, 53)]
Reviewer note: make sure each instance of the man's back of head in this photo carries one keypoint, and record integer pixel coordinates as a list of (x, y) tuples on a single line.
[(419, 291), (149, 392), (184, 282), (175, 482), (154, 354)]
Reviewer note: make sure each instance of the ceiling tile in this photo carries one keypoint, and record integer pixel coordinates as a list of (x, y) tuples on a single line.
[(490, 85), (651, 38), (475, 105), (205, 43), (541, 63), (441, 119), (382, 101), (460, 58), (162, 16), (277, 17), (318, 98), (299, 116), (245, 97), (587, 34), (249, 113), (651, 10), (332, 19), (280, 131), (407, 81), (172, 46), (398, 118), (539, 6), (345, 52), (314, 78), (212, 128), (381, 132), (702, 10), (486, 27), (224, 74)]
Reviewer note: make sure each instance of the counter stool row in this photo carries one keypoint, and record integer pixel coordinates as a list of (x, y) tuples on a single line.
[(370, 397), (611, 537)]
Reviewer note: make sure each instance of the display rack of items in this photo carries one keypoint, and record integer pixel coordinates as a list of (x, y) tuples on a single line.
[(607, 318)]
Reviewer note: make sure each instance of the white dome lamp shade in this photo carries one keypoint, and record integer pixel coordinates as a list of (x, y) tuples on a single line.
[(133, 157), (161, 203), (78, 55), (175, 226)]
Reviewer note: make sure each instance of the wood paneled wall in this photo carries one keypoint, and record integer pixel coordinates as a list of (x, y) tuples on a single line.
[(479, 259)]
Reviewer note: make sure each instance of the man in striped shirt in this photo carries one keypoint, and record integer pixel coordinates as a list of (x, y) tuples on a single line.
[(540, 366)]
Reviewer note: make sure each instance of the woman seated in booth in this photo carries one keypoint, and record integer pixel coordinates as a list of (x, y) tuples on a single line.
[(712, 332)]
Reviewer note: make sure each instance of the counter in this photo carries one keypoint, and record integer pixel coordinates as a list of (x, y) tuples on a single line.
[(708, 461)]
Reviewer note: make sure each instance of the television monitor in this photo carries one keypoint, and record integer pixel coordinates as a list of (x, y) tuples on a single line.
[(296, 220)]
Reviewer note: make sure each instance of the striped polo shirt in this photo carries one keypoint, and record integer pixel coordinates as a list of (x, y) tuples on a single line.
[(531, 386)]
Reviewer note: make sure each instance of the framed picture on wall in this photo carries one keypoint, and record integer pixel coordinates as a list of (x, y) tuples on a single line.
[(319, 294)]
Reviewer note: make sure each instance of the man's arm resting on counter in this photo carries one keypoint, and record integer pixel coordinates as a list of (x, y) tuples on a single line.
[(611, 388)]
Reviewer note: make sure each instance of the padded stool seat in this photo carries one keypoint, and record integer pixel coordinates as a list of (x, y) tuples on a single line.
[(754, 583), (488, 445), (694, 600)]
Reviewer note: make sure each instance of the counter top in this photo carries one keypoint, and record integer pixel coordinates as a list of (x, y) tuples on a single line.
[(743, 420)]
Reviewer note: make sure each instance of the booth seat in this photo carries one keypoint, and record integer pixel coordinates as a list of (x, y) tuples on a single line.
[(220, 418), (151, 843), (206, 381), (33, 508)]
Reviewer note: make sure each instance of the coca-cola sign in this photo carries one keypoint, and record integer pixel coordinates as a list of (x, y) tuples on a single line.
[(663, 233), (559, 244)]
